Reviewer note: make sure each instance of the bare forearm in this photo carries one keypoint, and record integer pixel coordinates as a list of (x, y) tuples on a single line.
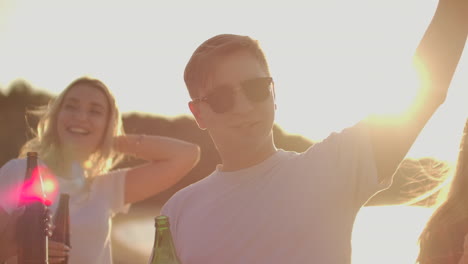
[(153, 148), (171, 160), (440, 49), (436, 58)]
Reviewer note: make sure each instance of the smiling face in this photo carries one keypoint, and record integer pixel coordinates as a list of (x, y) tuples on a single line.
[(82, 120)]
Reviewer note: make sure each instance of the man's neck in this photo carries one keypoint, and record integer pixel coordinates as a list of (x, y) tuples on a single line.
[(237, 159)]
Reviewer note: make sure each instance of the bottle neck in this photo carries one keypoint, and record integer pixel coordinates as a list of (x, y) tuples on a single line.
[(163, 249), (163, 237), (31, 163)]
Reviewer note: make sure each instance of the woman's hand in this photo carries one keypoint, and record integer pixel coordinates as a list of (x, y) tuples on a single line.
[(57, 252)]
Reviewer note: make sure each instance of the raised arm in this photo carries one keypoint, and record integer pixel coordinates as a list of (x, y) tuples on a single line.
[(170, 159), (436, 59)]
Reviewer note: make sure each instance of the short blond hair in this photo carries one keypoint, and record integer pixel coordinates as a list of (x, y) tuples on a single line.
[(204, 58)]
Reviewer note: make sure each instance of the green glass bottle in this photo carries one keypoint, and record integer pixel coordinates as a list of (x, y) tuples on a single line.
[(163, 249)]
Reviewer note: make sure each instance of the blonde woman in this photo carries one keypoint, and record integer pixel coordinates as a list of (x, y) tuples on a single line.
[(80, 138), (442, 240)]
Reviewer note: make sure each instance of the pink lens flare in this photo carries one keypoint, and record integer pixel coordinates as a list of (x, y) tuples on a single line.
[(42, 187)]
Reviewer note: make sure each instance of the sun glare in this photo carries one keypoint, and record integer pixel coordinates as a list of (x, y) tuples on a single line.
[(388, 234)]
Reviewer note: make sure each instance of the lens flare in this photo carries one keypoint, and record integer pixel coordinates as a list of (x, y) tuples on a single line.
[(42, 187), (49, 186)]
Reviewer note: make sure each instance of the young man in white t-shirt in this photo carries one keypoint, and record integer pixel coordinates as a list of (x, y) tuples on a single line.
[(266, 205)]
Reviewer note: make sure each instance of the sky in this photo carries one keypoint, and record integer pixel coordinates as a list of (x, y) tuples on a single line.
[(333, 62)]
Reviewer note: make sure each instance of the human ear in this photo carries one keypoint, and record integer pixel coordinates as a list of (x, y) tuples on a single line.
[(197, 115)]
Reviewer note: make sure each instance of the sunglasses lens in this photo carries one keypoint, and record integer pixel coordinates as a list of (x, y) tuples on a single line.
[(221, 101), (257, 90)]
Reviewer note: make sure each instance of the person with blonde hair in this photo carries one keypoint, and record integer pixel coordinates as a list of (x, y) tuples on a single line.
[(80, 138), (444, 238), (267, 205)]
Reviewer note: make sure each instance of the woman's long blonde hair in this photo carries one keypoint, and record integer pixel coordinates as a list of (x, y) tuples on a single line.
[(46, 141), (454, 207)]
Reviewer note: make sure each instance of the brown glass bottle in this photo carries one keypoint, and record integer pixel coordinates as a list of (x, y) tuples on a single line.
[(62, 223), (163, 249), (31, 227)]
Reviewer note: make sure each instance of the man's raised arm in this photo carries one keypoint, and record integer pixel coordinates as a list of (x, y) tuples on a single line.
[(436, 59)]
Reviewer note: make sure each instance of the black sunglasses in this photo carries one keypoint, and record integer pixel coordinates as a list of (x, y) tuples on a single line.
[(223, 98)]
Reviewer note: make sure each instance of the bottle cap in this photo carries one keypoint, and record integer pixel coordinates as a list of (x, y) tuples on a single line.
[(161, 221)]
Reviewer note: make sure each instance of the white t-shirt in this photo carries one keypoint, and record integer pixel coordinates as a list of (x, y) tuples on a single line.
[(292, 208), (90, 211)]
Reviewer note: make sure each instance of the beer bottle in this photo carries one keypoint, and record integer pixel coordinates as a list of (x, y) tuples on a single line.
[(32, 225), (62, 223), (163, 249)]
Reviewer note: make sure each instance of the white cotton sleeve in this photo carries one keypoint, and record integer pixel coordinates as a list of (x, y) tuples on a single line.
[(350, 155), (11, 178), (112, 188)]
